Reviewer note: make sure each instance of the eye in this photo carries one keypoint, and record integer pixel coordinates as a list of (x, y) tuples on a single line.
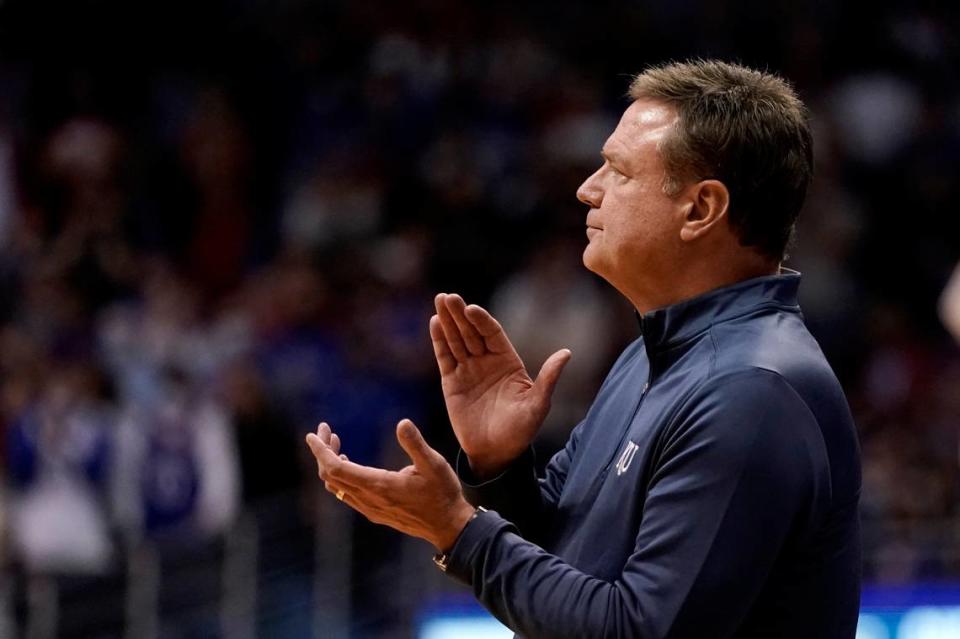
[(618, 172), (607, 164)]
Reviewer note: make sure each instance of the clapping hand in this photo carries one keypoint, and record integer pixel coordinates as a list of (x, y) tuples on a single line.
[(423, 499), (494, 406)]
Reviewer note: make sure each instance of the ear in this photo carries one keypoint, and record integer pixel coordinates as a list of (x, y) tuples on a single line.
[(707, 206)]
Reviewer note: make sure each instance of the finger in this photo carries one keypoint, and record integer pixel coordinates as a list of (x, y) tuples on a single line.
[(472, 339), (550, 372), (335, 443), (358, 502), (445, 359), (332, 466), (334, 489), (323, 432), (416, 447), (361, 508), (346, 497), (493, 335), (369, 509), (450, 330)]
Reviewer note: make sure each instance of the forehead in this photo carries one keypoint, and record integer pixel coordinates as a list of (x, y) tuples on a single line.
[(643, 125)]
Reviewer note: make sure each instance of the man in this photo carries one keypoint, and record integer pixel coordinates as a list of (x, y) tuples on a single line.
[(712, 489)]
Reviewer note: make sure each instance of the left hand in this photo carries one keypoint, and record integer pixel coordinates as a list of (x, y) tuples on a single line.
[(423, 500)]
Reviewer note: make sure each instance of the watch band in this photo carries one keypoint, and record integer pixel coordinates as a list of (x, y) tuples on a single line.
[(442, 559)]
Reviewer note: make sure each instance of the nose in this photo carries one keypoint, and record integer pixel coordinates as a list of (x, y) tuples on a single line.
[(590, 192)]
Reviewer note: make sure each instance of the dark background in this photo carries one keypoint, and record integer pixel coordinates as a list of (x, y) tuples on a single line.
[(221, 222)]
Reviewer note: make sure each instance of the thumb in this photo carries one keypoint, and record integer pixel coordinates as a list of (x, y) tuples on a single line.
[(416, 447), (550, 373)]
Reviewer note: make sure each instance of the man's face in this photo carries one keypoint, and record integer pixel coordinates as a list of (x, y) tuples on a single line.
[(632, 226)]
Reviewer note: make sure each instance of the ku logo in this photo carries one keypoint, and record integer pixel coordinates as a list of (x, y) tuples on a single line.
[(626, 457)]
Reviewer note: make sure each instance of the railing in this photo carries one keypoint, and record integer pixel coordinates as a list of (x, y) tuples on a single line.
[(272, 568)]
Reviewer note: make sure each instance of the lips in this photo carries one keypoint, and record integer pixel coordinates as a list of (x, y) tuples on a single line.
[(591, 225)]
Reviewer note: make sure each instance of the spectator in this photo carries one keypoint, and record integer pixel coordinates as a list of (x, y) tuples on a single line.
[(59, 449)]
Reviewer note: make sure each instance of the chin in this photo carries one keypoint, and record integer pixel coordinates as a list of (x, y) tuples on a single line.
[(591, 262)]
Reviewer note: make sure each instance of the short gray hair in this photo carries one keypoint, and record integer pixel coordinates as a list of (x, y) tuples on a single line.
[(744, 127)]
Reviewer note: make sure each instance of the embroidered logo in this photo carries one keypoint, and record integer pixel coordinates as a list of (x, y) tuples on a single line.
[(626, 457)]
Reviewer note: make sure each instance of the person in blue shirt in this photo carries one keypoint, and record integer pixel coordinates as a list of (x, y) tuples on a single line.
[(712, 488)]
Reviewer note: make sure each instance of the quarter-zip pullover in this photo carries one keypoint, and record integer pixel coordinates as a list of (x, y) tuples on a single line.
[(710, 491)]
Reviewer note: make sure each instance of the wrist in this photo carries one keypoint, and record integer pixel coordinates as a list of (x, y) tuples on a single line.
[(486, 468), (461, 516), (442, 558)]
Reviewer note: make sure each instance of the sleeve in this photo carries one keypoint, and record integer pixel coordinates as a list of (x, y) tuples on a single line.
[(516, 493), (729, 483)]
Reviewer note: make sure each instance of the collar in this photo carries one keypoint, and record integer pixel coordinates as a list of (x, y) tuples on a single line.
[(679, 322)]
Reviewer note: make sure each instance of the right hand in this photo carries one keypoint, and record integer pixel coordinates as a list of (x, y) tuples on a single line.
[(494, 406)]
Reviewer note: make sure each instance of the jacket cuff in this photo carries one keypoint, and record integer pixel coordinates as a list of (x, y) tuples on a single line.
[(470, 545), (519, 478)]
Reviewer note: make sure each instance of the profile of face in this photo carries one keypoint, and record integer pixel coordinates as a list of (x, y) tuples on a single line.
[(633, 227)]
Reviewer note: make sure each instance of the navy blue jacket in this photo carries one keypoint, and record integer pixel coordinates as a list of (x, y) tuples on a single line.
[(711, 490)]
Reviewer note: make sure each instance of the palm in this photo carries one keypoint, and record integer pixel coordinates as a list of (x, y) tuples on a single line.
[(490, 399), (494, 406)]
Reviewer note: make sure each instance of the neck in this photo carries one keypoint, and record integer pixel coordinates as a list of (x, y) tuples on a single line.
[(693, 280)]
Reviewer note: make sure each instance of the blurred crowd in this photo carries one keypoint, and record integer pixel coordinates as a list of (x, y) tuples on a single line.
[(220, 224)]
